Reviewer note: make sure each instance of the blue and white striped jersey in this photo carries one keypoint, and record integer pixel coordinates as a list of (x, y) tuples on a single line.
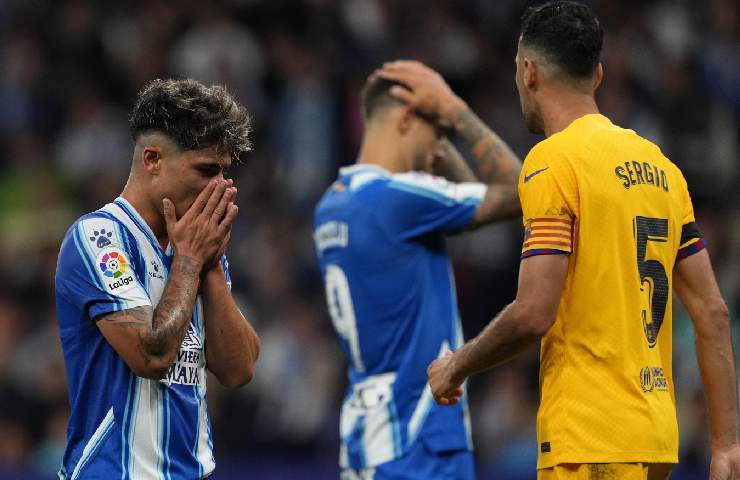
[(379, 239), (123, 426)]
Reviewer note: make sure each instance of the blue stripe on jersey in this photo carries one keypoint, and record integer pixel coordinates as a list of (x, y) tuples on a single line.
[(196, 395), (132, 422), (135, 217), (100, 435), (126, 426), (395, 428), (165, 401)]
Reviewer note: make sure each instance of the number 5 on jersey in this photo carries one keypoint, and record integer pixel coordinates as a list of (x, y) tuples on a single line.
[(652, 274)]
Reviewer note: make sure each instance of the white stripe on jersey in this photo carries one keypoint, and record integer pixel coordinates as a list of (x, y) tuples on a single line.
[(438, 187), (146, 450), (425, 404), (93, 444)]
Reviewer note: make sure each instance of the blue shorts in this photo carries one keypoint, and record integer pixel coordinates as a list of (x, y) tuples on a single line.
[(419, 463)]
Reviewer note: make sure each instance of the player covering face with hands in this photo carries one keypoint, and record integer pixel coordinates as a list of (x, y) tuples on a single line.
[(144, 294)]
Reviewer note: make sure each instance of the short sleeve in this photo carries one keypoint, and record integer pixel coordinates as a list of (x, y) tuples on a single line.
[(415, 203), (548, 193), (692, 240), (95, 270), (227, 274)]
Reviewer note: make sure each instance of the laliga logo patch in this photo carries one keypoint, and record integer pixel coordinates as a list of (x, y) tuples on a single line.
[(113, 264), (115, 270)]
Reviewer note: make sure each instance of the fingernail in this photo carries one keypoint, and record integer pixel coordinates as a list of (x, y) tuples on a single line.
[(166, 203)]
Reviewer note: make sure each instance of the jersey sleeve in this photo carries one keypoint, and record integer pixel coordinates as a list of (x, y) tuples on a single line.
[(227, 274), (548, 193), (416, 203), (692, 240), (95, 270)]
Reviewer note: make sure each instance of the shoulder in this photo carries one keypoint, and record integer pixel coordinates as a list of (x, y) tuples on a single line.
[(431, 187)]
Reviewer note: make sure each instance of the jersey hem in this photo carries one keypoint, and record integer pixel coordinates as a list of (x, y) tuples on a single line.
[(592, 457)]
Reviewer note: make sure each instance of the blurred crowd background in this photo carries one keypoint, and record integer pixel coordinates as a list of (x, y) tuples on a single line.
[(70, 69)]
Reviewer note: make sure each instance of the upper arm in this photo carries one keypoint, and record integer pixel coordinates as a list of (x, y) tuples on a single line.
[(541, 282), (696, 286), (101, 281), (549, 198), (415, 203)]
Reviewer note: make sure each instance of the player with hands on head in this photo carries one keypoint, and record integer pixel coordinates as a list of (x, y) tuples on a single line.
[(609, 233), (144, 294), (380, 240)]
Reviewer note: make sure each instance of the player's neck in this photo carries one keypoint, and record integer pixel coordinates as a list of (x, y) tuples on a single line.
[(134, 195), (375, 151), (564, 108)]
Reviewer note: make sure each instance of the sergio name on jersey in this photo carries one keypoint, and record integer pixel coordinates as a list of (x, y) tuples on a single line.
[(621, 210), (123, 426), (391, 295)]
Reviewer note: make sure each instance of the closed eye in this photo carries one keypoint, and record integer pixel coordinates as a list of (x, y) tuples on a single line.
[(209, 170)]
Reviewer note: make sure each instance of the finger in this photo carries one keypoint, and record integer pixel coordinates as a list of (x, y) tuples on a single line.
[(396, 75), (200, 202), (214, 199), (225, 224), (403, 94), (169, 213), (223, 204), (412, 66)]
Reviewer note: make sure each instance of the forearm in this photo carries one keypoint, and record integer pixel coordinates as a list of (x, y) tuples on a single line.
[(496, 162), (232, 345), (451, 165), (717, 366), (502, 339), (173, 313)]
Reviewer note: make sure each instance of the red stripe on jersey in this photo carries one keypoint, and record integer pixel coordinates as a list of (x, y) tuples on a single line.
[(552, 235), (543, 242), (551, 220)]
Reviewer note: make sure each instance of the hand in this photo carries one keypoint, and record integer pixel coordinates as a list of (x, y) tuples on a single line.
[(725, 464), (426, 91), (225, 206), (446, 389), (202, 231)]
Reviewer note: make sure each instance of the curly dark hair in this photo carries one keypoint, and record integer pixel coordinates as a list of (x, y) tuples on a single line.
[(192, 115), (567, 33)]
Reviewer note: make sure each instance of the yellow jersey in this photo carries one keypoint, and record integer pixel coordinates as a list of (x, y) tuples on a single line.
[(622, 211)]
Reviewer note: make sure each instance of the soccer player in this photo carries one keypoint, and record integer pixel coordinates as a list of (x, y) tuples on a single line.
[(379, 236), (143, 295), (609, 235)]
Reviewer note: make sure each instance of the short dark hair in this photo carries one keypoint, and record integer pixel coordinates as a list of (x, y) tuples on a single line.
[(376, 96), (192, 115), (567, 33)]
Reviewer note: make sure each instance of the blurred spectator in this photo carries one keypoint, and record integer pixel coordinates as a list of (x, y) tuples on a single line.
[(70, 69)]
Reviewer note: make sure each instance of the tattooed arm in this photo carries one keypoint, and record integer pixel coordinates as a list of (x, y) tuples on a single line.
[(499, 167), (148, 340), (448, 163)]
